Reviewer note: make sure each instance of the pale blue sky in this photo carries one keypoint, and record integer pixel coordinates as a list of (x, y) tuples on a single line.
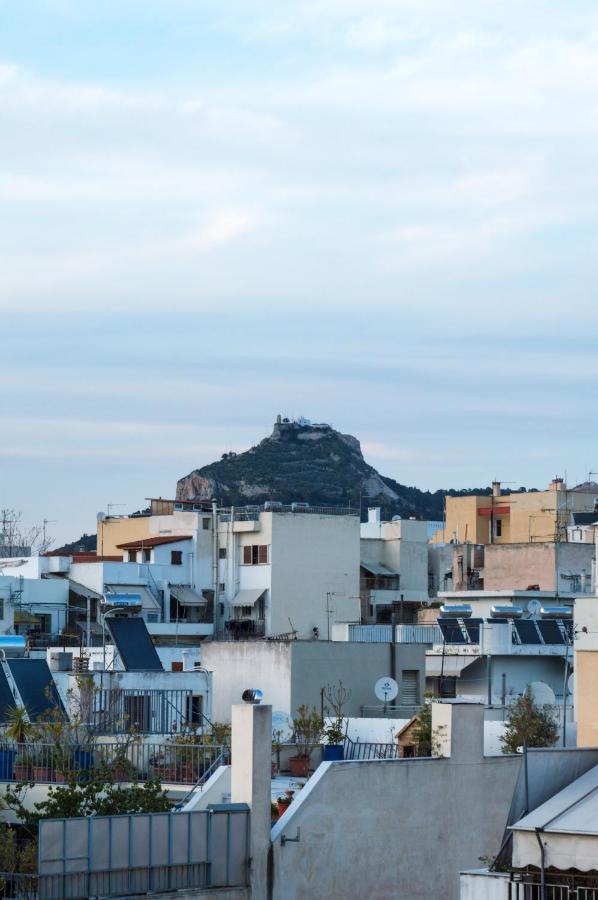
[(377, 213)]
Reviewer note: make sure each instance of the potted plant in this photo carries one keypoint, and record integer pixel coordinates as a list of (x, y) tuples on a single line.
[(335, 738), (22, 767), (273, 812), (283, 802), (20, 730), (308, 727)]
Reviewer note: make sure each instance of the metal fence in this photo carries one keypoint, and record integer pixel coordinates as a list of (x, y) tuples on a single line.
[(113, 856), (14, 886), (369, 750), (128, 761), (519, 890), (252, 513), (155, 711)]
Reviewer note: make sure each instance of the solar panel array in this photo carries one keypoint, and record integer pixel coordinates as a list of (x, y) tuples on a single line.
[(134, 644), (7, 701), (36, 686), (525, 631)]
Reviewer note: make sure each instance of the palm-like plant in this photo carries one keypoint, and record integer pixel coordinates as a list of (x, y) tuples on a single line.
[(19, 729)]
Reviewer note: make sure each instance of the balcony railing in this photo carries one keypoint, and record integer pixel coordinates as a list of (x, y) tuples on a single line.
[(152, 711), (136, 761), (380, 583), (241, 630)]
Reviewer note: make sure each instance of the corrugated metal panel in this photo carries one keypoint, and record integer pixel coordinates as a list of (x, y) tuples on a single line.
[(371, 634), (375, 568)]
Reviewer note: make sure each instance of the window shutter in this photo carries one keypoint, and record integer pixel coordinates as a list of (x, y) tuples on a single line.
[(262, 553), (409, 679), (247, 556)]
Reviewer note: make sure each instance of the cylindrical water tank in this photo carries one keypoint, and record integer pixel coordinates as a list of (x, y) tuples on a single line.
[(455, 611), (128, 603), (12, 645)]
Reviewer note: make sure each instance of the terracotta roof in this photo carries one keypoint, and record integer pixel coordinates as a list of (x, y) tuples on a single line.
[(154, 541)]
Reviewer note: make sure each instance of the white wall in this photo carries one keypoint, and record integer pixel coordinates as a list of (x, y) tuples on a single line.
[(312, 556), (237, 665)]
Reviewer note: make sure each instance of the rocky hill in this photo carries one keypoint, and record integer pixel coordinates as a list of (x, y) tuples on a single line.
[(312, 463)]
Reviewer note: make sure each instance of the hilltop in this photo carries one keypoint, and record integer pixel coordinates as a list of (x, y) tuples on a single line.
[(301, 461)]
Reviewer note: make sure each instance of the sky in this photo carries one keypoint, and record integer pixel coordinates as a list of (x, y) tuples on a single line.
[(380, 214)]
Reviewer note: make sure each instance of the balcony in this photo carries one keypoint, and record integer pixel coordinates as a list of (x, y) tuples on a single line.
[(119, 762), (241, 630)]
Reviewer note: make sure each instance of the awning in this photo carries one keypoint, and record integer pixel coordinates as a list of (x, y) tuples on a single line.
[(375, 568), (453, 665), (83, 591), (25, 618), (148, 601), (247, 597), (569, 825), (186, 596)]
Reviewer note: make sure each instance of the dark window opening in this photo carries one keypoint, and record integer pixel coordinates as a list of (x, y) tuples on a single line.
[(176, 557)]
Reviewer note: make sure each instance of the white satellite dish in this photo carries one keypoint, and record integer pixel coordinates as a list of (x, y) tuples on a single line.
[(542, 693), (282, 727), (571, 683), (534, 607), (386, 689)]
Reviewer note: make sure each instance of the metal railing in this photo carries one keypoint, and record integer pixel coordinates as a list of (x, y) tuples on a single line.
[(17, 886), (532, 890), (241, 630), (134, 761), (418, 634), (41, 640), (152, 711), (252, 513), (369, 750)]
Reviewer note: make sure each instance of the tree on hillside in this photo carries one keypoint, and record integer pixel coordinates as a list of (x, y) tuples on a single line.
[(529, 725)]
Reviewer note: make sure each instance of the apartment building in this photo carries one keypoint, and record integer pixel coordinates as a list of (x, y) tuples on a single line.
[(525, 517), (286, 571)]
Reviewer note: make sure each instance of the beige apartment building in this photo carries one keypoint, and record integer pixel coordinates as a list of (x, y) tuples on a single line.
[(586, 670), (526, 517)]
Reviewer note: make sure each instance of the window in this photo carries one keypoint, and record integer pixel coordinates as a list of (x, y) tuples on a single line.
[(194, 709), (255, 555), (132, 554), (147, 555), (176, 557), (246, 610), (499, 528), (222, 553), (205, 524), (409, 687), (222, 587)]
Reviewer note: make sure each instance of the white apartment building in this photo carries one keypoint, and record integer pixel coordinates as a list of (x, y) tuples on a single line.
[(287, 570), (394, 564)]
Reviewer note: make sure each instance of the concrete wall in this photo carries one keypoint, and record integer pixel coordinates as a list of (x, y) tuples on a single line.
[(317, 664), (520, 671), (313, 556), (484, 885), (248, 664), (373, 829), (293, 673), (402, 547), (517, 566)]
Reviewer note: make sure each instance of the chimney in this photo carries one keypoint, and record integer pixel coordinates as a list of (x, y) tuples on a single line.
[(374, 514), (251, 754), (496, 488), (557, 484), (458, 730)]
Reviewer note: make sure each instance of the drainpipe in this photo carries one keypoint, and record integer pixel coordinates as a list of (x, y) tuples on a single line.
[(215, 560), (542, 864)]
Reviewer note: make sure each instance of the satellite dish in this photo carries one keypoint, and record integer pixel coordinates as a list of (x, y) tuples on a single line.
[(282, 727), (571, 683), (386, 689), (542, 693), (534, 607)]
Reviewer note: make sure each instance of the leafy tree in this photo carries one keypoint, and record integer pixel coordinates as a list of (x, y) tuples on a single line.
[(529, 724), (428, 742), (99, 796)]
